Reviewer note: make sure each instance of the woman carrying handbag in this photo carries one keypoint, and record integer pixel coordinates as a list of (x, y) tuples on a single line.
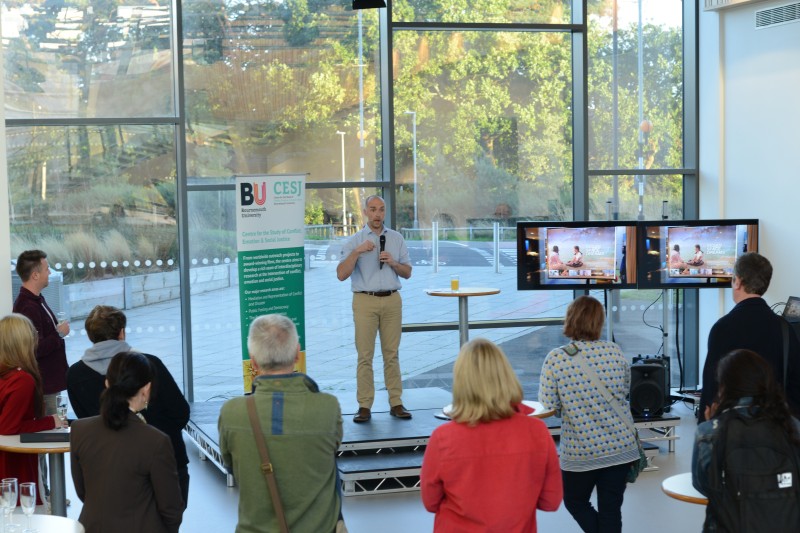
[(598, 440)]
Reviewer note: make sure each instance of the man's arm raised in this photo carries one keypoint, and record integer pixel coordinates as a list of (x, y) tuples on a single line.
[(345, 268)]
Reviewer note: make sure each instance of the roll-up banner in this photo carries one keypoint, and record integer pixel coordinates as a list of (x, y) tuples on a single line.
[(270, 233)]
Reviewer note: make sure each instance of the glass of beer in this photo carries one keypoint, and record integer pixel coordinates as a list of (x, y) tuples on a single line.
[(453, 283)]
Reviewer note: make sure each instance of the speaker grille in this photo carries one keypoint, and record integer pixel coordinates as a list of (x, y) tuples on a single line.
[(649, 399), (648, 389)]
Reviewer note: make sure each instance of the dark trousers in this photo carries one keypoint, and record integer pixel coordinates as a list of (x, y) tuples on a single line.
[(183, 480), (610, 484)]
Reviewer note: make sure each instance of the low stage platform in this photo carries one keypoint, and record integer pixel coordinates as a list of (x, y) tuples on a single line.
[(379, 456), (385, 454)]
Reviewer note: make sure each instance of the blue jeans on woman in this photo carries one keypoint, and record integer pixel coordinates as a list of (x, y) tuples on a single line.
[(610, 483)]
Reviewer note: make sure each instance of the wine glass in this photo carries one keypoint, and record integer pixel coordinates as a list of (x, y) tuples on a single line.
[(61, 407), (27, 500), (8, 499)]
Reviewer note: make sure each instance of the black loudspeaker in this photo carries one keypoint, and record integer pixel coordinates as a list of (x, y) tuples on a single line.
[(649, 390)]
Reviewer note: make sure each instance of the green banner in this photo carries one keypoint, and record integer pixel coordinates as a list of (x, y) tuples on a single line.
[(270, 241)]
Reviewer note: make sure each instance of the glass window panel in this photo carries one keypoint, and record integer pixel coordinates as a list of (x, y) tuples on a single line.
[(483, 11), (100, 201), (268, 86), (89, 60), (638, 197), (638, 315), (213, 280), (483, 130), (635, 84), (493, 122)]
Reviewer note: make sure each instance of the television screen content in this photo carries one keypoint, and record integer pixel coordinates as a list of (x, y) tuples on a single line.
[(697, 253), (572, 255)]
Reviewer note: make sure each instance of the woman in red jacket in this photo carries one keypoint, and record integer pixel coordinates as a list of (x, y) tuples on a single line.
[(21, 402), (493, 466)]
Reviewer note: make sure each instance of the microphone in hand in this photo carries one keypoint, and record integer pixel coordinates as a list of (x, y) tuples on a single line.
[(383, 245)]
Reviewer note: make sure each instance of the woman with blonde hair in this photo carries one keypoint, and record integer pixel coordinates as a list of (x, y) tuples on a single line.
[(21, 400), (492, 466), (597, 446)]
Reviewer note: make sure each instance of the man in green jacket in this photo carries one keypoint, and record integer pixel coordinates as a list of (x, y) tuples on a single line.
[(302, 428)]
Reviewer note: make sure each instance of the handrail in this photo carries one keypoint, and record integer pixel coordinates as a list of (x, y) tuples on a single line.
[(484, 324)]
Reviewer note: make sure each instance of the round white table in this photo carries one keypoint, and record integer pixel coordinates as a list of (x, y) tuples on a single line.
[(680, 487), (538, 410), (462, 294), (55, 451), (47, 523)]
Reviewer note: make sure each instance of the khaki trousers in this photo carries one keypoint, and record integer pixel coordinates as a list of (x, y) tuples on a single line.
[(373, 315)]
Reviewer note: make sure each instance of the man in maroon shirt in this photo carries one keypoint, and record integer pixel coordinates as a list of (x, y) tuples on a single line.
[(51, 353)]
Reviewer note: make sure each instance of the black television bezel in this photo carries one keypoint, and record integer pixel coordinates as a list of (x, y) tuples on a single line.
[(644, 265), (568, 285)]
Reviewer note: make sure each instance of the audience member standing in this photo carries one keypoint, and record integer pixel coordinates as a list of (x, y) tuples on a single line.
[(124, 469), (167, 410), (748, 431), (492, 466), (21, 403), (51, 353), (597, 447), (752, 325), (302, 428)]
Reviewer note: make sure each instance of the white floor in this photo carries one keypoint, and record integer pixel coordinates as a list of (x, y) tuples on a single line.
[(213, 506)]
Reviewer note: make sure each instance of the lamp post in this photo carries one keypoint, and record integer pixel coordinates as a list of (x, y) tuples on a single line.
[(344, 199), (414, 135)]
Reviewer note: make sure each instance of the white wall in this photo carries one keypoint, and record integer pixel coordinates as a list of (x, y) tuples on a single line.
[(750, 141)]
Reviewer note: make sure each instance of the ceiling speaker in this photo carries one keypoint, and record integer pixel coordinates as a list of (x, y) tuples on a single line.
[(368, 4)]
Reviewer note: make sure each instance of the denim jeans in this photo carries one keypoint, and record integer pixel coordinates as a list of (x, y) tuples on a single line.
[(610, 484)]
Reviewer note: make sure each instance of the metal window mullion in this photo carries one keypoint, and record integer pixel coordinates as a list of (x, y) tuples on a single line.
[(387, 113), (580, 116), (182, 200)]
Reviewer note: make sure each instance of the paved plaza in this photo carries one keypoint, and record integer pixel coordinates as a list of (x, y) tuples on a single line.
[(331, 358)]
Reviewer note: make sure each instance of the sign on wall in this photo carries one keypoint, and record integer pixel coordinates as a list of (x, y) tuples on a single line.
[(270, 233)]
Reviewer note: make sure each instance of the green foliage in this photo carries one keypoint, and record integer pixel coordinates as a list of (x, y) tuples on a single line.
[(117, 246), (315, 212), (270, 81)]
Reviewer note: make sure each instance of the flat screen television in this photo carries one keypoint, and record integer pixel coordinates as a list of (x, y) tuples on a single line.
[(692, 253), (576, 255)]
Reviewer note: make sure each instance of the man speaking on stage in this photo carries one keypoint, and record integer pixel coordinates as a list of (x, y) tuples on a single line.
[(374, 259)]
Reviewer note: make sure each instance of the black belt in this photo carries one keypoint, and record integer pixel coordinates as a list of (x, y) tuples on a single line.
[(378, 293)]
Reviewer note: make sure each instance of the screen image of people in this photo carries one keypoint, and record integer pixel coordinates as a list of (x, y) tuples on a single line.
[(593, 252), (563, 257), (702, 251)]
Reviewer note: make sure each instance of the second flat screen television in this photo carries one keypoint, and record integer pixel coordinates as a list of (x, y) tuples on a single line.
[(576, 255), (693, 254)]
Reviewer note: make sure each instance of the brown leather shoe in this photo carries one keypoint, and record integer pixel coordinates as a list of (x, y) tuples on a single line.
[(399, 411), (363, 415)]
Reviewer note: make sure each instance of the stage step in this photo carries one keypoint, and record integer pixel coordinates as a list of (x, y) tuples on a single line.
[(380, 473)]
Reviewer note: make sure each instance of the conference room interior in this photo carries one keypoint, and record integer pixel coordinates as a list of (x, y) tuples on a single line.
[(122, 170)]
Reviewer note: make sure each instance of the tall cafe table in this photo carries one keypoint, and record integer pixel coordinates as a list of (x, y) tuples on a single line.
[(463, 294), (55, 451), (680, 487)]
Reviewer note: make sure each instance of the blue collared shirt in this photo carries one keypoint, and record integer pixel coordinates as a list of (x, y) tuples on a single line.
[(367, 274)]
